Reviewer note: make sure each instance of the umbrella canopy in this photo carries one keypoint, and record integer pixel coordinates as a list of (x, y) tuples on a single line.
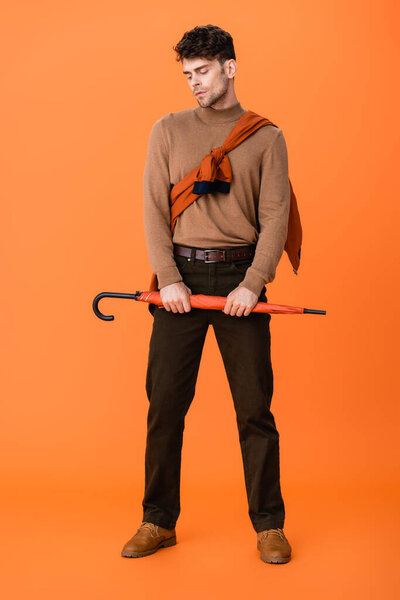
[(202, 301)]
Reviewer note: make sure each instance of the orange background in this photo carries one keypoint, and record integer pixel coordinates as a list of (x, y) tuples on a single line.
[(81, 85)]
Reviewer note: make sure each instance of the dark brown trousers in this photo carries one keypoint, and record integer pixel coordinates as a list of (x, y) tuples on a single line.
[(175, 351)]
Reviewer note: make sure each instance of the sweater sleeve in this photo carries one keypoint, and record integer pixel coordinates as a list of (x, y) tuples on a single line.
[(273, 216), (156, 209)]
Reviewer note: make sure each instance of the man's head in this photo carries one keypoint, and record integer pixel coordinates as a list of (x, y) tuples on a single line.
[(209, 63)]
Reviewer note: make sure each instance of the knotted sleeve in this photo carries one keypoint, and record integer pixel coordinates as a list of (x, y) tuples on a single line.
[(156, 209), (273, 216)]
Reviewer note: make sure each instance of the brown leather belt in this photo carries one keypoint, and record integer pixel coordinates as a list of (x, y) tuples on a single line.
[(211, 255)]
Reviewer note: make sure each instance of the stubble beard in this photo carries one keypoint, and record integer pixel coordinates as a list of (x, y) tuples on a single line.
[(216, 95)]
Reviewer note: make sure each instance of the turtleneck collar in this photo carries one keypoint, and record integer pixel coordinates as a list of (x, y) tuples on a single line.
[(207, 114)]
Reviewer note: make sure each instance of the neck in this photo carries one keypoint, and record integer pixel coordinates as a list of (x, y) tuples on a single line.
[(207, 114)]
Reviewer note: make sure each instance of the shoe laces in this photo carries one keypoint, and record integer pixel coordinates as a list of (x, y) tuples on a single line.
[(277, 531), (150, 526)]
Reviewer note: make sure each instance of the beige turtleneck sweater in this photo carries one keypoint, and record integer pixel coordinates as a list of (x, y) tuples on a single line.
[(256, 209)]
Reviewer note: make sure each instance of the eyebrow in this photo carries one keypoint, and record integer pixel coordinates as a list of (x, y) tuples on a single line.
[(200, 67)]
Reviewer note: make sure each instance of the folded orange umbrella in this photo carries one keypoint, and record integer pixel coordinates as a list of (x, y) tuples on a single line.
[(202, 301)]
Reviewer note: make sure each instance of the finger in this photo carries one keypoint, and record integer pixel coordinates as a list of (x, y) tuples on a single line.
[(227, 307), (186, 304), (240, 311), (234, 309), (173, 307), (179, 306)]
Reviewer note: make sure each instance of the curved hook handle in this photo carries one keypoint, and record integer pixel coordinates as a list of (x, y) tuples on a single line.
[(110, 295)]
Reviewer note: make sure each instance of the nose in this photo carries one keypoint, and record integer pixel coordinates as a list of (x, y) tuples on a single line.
[(195, 83)]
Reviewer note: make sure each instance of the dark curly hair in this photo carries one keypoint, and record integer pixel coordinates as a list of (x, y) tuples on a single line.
[(206, 41)]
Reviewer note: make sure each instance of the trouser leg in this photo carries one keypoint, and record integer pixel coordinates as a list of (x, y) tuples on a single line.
[(245, 346), (175, 350), (244, 343)]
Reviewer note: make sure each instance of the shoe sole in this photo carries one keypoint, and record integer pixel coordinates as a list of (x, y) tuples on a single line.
[(163, 544), (275, 559)]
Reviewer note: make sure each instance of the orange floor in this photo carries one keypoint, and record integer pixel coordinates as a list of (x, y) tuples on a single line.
[(344, 540)]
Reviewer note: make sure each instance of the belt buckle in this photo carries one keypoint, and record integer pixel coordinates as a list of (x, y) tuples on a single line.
[(206, 260)]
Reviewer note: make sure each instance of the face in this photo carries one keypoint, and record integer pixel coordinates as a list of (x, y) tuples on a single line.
[(208, 77)]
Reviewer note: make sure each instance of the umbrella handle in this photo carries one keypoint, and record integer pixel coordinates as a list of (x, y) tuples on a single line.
[(110, 295)]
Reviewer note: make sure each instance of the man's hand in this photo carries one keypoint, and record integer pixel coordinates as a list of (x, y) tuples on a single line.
[(175, 297), (240, 301)]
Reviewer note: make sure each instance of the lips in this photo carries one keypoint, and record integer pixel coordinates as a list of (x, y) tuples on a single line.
[(199, 93)]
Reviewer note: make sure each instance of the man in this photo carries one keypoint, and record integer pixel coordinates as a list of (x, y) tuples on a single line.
[(224, 244)]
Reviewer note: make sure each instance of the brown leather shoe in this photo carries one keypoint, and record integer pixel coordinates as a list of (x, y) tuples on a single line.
[(148, 539), (274, 546)]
